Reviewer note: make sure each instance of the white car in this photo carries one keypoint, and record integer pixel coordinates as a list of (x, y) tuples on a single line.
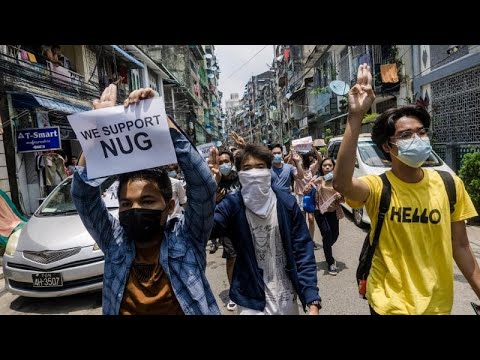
[(370, 160), (53, 254)]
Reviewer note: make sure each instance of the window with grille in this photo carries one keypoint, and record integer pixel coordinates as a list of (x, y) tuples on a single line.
[(344, 74), (385, 105), (456, 107), (358, 50)]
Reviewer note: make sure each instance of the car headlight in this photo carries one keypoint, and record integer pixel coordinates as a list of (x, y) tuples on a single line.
[(12, 243), (96, 247)]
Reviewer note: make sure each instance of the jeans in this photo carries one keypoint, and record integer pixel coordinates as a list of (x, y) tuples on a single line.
[(328, 225)]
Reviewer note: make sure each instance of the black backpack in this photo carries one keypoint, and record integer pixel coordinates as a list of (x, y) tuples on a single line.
[(366, 255)]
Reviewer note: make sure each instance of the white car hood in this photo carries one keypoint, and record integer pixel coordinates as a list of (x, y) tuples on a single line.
[(55, 233)]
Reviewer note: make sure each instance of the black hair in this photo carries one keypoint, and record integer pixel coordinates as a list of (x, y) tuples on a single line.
[(230, 155), (384, 127), (320, 168), (256, 151), (275, 146), (156, 175)]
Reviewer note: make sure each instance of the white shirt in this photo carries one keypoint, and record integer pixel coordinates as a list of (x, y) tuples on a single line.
[(280, 295), (179, 195)]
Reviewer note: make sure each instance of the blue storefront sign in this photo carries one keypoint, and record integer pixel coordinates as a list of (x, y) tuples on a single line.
[(43, 139)]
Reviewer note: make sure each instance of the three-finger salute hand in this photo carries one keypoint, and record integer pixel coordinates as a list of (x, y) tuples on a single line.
[(213, 164), (108, 98), (140, 94), (361, 96), (240, 141)]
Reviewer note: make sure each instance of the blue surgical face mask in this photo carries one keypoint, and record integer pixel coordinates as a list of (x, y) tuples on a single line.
[(328, 177), (277, 158), (413, 152), (225, 168), (172, 174)]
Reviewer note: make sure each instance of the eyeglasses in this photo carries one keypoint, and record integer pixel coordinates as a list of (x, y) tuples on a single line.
[(409, 134)]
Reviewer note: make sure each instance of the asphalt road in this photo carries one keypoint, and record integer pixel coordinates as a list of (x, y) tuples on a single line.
[(339, 293)]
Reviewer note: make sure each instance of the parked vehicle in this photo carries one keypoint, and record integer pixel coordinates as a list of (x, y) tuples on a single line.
[(370, 160), (53, 254)]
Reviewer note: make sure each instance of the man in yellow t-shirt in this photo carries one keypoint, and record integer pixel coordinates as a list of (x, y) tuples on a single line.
[(412, 269)]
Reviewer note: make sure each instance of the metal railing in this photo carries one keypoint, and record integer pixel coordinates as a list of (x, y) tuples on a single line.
[(44, 75)]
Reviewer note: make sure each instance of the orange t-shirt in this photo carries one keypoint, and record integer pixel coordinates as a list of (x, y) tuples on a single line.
[(148, 290)]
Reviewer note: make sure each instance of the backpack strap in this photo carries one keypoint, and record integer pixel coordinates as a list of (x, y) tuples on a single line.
[(450, 187), (383, 208)]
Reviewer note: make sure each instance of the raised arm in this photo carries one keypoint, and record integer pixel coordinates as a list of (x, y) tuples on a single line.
[(101, 225), (213, 164), (299, 165), (360, 98), (201, 190), (240, 141), (201, 186)]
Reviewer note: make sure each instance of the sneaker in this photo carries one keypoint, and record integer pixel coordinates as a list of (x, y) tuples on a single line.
[(332, 269), (231, 306), (213, 248)]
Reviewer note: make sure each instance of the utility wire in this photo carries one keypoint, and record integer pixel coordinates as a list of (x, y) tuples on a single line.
[(241, 67)]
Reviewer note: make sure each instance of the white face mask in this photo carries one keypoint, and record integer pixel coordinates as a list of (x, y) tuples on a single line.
[(413, 152), (257, 190), (328, 176)]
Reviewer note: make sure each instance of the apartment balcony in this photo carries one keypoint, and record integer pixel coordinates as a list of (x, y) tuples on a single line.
[(31, 76), (198, 51)]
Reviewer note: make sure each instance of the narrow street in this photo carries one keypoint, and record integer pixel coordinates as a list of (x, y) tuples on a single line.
[(339, 293)]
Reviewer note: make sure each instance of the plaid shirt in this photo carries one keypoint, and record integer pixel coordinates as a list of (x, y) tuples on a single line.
[(182, 252)]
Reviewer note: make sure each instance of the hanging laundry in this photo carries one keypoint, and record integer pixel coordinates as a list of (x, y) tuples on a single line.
[(32, 57), (389, 73), (24, 55), (286, 54)]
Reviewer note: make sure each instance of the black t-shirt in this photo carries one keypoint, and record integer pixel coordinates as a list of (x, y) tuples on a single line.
[(230, 182)]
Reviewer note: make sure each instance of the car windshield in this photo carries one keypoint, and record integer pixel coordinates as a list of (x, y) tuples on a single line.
[(371, 155), (60, 202)]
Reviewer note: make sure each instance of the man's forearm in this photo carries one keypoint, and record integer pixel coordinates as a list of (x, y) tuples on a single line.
[(201, 188), (345, 164), (468, 265)]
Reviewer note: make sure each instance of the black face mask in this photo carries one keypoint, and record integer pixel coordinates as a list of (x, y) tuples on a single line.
[(141, 225)]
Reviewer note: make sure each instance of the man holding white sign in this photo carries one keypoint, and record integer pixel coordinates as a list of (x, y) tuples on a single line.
[(121, 139), (152, 267)]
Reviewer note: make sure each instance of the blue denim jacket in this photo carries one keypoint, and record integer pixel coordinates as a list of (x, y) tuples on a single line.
[(182, 252)]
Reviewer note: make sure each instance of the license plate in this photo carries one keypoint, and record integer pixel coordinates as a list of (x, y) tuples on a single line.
[(43, 280)]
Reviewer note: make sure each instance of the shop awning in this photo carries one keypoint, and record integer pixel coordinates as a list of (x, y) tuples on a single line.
[(24, 100), (128, 57)]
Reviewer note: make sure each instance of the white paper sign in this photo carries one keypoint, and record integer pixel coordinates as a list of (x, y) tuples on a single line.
[(116, 140), (303, 144), (204, 149)]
